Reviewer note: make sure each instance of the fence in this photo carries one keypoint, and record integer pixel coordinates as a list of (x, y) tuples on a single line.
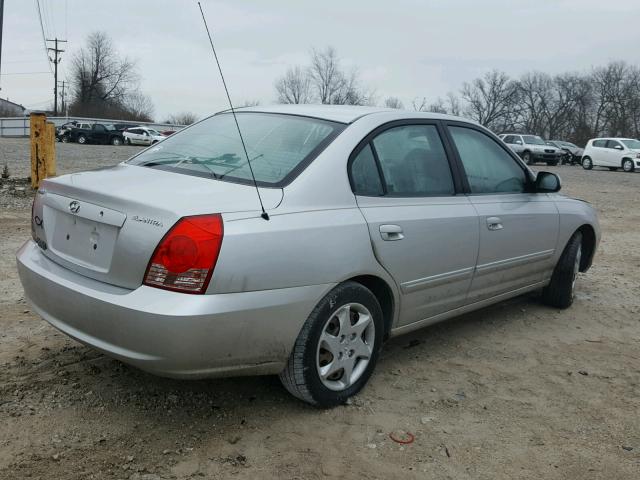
[(19, 126)]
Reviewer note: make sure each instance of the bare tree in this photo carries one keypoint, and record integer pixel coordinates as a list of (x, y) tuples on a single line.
[(490, 100), (393, 102), (453, 104), (139, 106), (294, 86), (420, 104), (100, 78), (331, 85), (183, 118)]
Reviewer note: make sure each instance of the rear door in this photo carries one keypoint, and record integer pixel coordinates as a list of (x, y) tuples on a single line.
[(599, 153), (422, 230), (518, 230)]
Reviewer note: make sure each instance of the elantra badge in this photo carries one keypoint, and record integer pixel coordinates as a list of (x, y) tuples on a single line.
[(74, 207)]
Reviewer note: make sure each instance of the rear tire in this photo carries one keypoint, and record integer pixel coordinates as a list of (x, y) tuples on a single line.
[(627, 165), (342, 334), (587, 164), (560, 291)]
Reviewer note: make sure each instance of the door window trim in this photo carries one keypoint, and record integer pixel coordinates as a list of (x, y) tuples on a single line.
[(368, 140), (530, 179)]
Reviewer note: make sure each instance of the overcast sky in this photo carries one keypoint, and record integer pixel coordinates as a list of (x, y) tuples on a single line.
[(404, 48)]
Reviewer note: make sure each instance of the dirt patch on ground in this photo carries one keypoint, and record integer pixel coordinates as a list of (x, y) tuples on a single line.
[(514, 391)]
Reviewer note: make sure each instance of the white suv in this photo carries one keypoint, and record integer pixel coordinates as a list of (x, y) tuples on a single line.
[(613, 153), (142, 136), (532, 148)]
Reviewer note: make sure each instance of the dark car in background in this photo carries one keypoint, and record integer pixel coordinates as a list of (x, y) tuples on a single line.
[(573, 152), (101, 133)]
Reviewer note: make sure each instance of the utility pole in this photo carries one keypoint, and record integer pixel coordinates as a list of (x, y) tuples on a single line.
[(63, 102), (1, 20), (56, 60)]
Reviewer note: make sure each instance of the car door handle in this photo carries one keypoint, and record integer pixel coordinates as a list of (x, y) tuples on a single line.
[(391, 232), (494, 223)]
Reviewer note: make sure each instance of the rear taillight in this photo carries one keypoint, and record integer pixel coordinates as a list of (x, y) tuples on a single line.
[(186, 256)]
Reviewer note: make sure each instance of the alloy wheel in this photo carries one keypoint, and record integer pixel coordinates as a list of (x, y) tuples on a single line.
[(345, 347)]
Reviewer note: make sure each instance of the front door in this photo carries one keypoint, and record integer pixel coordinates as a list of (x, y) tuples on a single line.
[(423, 233), (518, 230)]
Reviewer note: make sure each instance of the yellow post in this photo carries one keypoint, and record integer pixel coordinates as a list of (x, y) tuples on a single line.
[(50, 149), (43, 149)]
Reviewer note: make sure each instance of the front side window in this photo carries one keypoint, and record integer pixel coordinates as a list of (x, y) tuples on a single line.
[(489, 168), (510, 139), (413, 161), (277, 145), (614, 144)]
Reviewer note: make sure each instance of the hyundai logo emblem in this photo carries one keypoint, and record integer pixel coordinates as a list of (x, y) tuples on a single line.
[(74, 207)]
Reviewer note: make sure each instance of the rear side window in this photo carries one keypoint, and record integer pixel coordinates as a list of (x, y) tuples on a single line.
[(413, 161), (600, 143), (364, 174), (278, 146), (488, 167)]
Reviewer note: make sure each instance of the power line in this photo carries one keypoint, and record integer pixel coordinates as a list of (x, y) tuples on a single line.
[(56, 60), (44, 37)]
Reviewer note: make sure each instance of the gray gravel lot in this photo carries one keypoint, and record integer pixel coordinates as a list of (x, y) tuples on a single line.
[(70, 157)]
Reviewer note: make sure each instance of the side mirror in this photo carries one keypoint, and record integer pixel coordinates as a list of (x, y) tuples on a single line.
[(547, 182), (518, 142), (618, 147)]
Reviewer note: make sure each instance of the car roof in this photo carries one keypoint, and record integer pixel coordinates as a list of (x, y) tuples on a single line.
[(342, 113)]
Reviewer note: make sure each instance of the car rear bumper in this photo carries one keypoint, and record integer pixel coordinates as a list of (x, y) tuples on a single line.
[(168, 333)]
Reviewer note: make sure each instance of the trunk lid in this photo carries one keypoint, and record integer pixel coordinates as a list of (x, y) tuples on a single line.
[(105, 224)]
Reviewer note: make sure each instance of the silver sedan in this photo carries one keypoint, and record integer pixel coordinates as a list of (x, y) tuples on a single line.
[(378, 222)]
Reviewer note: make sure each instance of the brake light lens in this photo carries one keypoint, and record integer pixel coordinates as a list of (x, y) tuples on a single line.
[(185, 258)]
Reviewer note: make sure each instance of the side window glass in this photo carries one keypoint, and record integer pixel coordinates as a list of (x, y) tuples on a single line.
[(413, 161), (364, 174), (600, 143), (509, 139), (488, 167), (613, 144)]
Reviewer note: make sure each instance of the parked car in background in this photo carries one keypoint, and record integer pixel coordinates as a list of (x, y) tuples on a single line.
[(142, 136), (613, 153), (62, 132), (532, 149), (63, 129), (376, 222), (124, 126), (574, 152), (95, 133)]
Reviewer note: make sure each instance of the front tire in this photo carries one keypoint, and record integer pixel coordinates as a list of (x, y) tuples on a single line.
[(82, 139), (526, 157), (337, 348), (560, 291), (587, 163), (115, 141), (627, 165)]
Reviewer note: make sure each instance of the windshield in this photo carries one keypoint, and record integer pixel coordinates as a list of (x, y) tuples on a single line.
[(634, 144), (532, 140), (277, 145)]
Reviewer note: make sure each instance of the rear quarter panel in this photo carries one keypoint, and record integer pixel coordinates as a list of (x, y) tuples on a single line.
[(573, 215)]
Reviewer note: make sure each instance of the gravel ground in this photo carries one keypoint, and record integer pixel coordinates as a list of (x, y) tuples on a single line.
[(514, 391)]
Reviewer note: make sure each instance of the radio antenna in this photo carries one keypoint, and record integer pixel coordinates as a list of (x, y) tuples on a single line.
[(264, 214)]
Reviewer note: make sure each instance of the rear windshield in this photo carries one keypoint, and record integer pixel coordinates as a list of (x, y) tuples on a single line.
[(279, 147)]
